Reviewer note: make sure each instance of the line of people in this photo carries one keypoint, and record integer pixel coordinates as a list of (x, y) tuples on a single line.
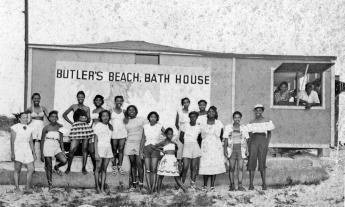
[(202, 143)]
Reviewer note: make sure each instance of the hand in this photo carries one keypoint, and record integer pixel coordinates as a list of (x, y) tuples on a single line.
[(307, 106), (13, 158), (97, 156), (141, 155), (247, 152)]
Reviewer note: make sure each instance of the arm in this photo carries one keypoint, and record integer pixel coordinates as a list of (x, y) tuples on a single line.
[(61, 143), (88, 115), (64, 115), (31, 142), (13, 137), (177, 122), (221, 134), (182, 137), (199, 140), (45, 111), (159, 146), (43, 137), (141, 149), (96, 148), (268, 137), (226, 147)]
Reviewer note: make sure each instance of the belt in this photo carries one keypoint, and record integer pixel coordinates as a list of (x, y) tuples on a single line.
[(51, 138)]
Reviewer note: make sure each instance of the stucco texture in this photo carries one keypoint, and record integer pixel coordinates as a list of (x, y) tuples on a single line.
[(296, 27)]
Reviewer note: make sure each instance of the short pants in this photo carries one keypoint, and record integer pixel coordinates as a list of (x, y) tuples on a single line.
[(191, 150), (51, 148), (150, 152)]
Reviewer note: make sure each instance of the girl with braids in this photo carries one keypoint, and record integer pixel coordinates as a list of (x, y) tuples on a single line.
[(52, 146), (74, 144), (103, 150)]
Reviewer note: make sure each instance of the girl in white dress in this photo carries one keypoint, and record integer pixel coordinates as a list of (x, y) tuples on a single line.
[(212, 157), (202, 112), (98, 101), (168, 166), (103, 151), (22, 150), (118, 138)]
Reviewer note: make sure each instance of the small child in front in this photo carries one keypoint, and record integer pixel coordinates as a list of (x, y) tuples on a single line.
[(168, 166), (22, 150)]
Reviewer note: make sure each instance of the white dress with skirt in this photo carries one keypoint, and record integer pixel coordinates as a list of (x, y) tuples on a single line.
[(212, 156), (22, 149), (168, 166)]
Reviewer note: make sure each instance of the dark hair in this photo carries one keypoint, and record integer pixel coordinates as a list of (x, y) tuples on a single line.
[(35, 94), (201, 101), (151, 113), (193, 112), (283, 83), (109, 114), (308, 85), (185, 98), (116, 97), (131, 106), (53, 112), (98, 96), (263, 109), (214, 109), (19, 115), (81, 93), (238, 113), (78, 113), (167, 130)]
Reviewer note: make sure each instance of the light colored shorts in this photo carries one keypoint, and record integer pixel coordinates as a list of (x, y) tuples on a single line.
[(191, 150), (105, 151), (23, 153), (132, 148), (51, 148)]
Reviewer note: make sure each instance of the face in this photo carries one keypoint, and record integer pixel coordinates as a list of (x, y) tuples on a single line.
[(36, 100), (98, 102), (258, 112), (105, 118), (185, 103), (211, 113), (83, 118), (118, 102), (53, 118), (80, 98), (309, 88), (24, 119), (193, 118), (283, 87), (170, 134), (202, 106), (153, 118), (132, 112), (237, 118)]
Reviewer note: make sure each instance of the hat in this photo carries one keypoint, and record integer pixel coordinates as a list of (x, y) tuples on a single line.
[(259, 106)]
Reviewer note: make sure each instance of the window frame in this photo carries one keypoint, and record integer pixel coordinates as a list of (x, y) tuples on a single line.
[(323, 101), (147, 54)]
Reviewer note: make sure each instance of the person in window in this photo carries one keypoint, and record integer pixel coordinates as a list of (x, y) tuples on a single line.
[(282, 94), (309, 97)]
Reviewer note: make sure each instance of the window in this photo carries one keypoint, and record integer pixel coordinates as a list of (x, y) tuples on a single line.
[(146, 59), (298, 84)]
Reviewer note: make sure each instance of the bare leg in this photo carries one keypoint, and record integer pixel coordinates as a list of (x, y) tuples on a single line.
[(140, 166), (85, 154), (160, 180), (263, 178), (179, 183), (251, 178), (91, 149), (114, 147), (133, 170), (232, 166), (61, 157), (205, 180), (186, 163), (48, 168), (30, 168), (154, 163), (96, 173), (121, 147), (104, 167), (213, 179), (16, 174), (73, 149), (194, 168), (240, 174), (148, 173)]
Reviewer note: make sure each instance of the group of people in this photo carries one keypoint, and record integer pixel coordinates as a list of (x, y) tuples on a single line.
[(202, 143)]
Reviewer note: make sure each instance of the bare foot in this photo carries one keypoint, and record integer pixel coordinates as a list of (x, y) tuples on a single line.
[(67, 171), (28, 190), (84, 171), (17, 190), (97, 190)]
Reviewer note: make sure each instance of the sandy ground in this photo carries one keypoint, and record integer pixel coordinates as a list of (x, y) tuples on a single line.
[(327, 193)]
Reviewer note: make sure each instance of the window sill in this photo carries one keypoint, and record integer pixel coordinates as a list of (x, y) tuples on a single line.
[(297, 107)]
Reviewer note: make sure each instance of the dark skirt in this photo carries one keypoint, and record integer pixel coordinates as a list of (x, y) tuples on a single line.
[(257, 151)]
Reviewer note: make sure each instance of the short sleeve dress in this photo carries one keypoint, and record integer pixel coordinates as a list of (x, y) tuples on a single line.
[(135, 128), (212, 157), (103, 140), (22, 150), (119, 131)]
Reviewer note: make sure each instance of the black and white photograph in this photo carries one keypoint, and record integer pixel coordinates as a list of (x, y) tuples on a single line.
[(177, 103)]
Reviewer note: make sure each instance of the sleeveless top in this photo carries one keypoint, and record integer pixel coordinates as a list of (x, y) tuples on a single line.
[(262, 127), (94, 116), (152, 133), (183, 117), (169, 146), (37, 115), (53, 135), (119, 131), (135, 129)]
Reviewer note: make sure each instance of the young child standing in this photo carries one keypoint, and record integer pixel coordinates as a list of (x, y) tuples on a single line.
[(22, 150), (52, 146), (103, 151), (168, 166)]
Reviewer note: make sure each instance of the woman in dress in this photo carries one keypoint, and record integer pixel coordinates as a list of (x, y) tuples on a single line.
[(52, 146), (103, 151), (98, 101), (202, 111), (118, 138), (212, 156), (75, 144), (235, 149), (260, 135), (181, 119), (151, 136), (37, 114), (168, 166), (81, 131), (22, 150), (191, 150), (134, 127)]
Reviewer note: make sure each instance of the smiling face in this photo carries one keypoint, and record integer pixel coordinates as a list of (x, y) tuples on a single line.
[(202, 106), (98, 102), (258, 112), (132, 112), (80, 98), (193, 117), (211, 114), (24, 119), (153, 119), (53, 118), (36, 100), (118, 102), (185, 103), (170, 134), (283, 88), (105, 118), (237, 119)]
